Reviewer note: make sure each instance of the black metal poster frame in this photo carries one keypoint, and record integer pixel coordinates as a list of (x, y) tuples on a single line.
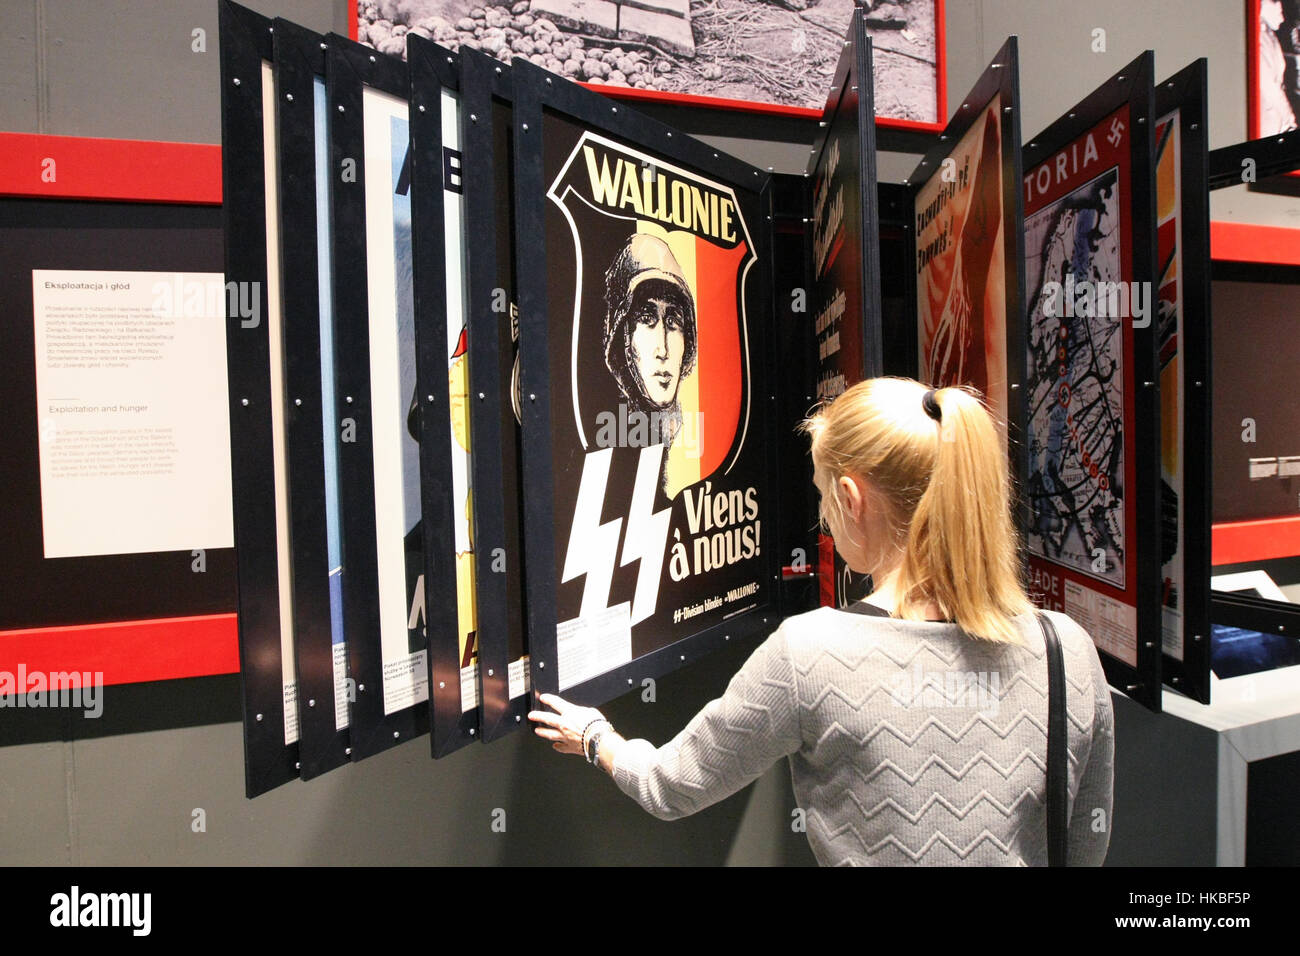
[(848, 118), (246, 53), (539, 94), (1131, 87), (493, 328), (434, 173), (898, 331), (850, 102), (1186, 92), (1265, 158), (1251, 613), (299, 65), (350, 69), (792, 264), (1001, 81)]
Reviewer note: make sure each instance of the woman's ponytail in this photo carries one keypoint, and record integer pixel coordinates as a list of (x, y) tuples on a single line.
[(961, 550), (940, 461)]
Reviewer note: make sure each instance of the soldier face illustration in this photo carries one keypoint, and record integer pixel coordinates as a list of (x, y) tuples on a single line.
[(657, 344), (650, 324)]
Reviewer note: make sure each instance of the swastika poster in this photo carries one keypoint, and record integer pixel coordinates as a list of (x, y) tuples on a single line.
[(1083, 306)]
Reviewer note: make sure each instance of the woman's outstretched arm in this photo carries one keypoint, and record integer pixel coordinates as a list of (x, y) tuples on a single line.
[(726, 746)]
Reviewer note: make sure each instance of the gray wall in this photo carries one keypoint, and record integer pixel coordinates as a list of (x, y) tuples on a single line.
[(130, 799), (125, 69), (1254, 363)]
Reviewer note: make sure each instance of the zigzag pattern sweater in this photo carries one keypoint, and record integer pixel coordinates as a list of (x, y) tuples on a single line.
[(909, 743)]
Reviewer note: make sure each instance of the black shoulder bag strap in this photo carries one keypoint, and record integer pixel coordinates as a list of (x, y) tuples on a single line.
[(1057, 758)]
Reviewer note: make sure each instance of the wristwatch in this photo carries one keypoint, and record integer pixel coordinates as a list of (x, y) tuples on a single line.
[(595, 745), (589, 747)]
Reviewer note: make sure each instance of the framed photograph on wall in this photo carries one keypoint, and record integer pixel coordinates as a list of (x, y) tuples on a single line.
[(1272, 86), (759, 56), (1272, 83)]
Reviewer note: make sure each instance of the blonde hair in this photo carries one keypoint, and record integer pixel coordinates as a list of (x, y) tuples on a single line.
[(946, 494)]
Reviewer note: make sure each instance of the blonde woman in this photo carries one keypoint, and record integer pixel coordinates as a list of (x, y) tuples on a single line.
[(915, 722)]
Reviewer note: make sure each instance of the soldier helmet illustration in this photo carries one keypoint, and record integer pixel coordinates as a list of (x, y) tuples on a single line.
[(645, 271)]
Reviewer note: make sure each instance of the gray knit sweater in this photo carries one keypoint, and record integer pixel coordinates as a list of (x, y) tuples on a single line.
[(909, 743)]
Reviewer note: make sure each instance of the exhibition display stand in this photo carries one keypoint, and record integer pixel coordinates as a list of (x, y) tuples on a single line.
[(1187, 781)]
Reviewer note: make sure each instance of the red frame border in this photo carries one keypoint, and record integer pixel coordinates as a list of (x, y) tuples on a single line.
[(110, 169), (777, 109), (1238, 542), (117, 170), (1247, 242), (128, 652)]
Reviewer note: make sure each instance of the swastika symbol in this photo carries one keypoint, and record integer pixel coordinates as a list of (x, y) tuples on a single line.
[(1116, 131)]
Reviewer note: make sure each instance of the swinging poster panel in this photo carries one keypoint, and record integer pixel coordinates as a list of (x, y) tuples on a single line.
[(1183, 329), (845, 299), (255, 371), (494, 375), (1092, 438), (433, 176), (969, 278), (319, 646), (379, 448), (647, 413)]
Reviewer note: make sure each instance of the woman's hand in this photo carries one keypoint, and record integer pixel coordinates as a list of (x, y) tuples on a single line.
[(564, 727)]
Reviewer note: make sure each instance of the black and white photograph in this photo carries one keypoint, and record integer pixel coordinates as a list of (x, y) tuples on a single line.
[(777, 55), (1273, 62)]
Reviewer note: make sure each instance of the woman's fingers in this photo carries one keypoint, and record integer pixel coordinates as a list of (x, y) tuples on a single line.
[(559, 704), (564, 724)]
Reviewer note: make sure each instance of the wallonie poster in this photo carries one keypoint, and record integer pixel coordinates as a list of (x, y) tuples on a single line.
[(657, 448)]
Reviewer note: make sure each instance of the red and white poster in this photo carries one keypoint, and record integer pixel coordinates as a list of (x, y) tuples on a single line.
[(1084, 307), (961, 294)]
